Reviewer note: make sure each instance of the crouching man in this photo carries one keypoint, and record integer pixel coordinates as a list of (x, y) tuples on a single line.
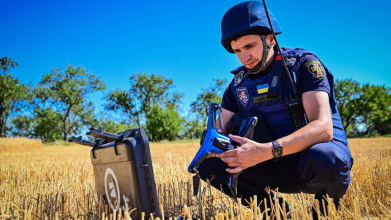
[(310, 155)]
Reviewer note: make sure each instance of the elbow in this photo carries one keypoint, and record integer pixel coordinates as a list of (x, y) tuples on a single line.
[(327, 132)]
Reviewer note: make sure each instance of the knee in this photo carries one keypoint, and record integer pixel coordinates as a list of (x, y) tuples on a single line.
[(212, 168), (325, 161)]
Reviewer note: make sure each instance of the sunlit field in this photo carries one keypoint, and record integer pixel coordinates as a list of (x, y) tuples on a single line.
[(57, 182)]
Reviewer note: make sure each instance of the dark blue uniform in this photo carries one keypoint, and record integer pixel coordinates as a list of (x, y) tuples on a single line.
[(323, 169)]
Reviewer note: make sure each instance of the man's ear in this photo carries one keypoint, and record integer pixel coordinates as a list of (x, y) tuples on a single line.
[(272, 41)]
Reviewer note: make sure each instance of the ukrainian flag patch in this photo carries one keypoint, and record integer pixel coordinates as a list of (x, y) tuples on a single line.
[(262, 88)]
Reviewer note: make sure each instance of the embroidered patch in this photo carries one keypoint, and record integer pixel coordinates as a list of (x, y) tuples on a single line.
[(242, 95), (274, 81), (239, 77), (316, 68), (262, 88)]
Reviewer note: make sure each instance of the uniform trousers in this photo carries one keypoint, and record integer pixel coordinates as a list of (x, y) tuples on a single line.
[(323, 169)]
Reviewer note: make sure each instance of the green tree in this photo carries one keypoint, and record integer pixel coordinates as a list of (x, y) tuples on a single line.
[(145, 90), (211, 94), (376, 109), (66, 93), (12, 92), (122, 101), (48, 124), (163, 122), (6, 63), (23, 126), (108, 123), (348, 94), (193, 127)]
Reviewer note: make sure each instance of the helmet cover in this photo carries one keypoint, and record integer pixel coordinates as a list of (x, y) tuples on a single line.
[(243, 19)]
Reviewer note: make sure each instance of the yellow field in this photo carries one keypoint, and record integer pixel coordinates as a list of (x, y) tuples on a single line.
[(57, 182)]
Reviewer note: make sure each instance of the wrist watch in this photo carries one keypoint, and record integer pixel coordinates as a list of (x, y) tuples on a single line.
[(277, 149)]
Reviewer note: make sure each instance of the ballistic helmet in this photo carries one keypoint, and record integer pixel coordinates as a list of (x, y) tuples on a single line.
[(243, 19)]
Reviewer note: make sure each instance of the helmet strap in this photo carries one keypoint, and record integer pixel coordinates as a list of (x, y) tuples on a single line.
[(266, 49)]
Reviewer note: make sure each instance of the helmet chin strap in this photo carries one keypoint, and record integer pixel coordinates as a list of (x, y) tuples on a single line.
[(266, 49)]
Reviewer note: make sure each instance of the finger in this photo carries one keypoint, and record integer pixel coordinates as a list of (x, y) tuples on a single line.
[(230, 153), (234, 170), (230, 161), (238, 139), (211, 154)]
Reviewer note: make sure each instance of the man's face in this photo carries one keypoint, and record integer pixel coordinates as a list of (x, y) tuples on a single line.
[(249, 49)]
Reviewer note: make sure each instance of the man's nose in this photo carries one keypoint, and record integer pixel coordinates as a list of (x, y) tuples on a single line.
[(245, 56)]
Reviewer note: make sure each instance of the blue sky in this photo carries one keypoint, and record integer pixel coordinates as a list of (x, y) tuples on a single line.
[(181, 39)]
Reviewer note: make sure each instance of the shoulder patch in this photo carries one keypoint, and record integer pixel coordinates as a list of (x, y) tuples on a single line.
[(316, 68), (238, 70), (239, 77)]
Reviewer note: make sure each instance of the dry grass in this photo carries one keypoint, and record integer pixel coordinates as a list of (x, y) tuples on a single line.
[(14, 145), (57, 182)]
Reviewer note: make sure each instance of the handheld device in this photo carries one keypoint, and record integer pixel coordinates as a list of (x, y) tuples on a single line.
[(212, 141)]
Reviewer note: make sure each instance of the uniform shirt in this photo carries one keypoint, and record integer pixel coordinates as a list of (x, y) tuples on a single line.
[(307, 81)]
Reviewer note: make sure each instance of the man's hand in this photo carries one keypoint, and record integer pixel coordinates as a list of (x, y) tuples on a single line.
[(249, 154)]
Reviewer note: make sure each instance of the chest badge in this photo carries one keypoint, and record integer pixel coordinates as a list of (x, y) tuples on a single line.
[(239, 77), (242, 95)]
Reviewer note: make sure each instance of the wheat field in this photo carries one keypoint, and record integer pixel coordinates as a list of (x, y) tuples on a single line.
[(57, 182)]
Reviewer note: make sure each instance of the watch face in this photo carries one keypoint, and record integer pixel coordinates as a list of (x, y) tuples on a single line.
[(278, 151)]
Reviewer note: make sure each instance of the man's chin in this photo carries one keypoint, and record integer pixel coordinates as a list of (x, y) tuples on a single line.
[(251, 66)]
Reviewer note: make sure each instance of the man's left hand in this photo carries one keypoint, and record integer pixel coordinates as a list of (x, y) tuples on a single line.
[(249, 154)]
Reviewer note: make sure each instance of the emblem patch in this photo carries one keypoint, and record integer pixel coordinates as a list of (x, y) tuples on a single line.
[(316, 68), (242, 95), (239, 77)]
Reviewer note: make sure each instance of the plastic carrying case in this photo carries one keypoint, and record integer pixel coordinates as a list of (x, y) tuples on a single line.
[(123, 170)]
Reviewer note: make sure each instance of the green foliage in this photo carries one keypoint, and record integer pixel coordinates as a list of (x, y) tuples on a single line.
[(12, 93), (122, 101), (108, 123), (348, 94), (365, 109), (145, 90), (163, 122), (376, 109), (47, 124), (193, 127), (23, 126), (211, 94), (6, 63), (151, 89), (65, 93)]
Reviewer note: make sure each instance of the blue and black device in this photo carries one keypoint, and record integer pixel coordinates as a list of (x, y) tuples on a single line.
[(213, 141)]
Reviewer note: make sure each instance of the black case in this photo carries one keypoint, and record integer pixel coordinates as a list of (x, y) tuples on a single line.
[(123, 170)]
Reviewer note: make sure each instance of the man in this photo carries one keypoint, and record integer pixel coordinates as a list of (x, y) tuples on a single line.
[(315, 158)]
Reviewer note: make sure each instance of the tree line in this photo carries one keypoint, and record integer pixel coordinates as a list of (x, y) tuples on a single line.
[(57, 106)]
